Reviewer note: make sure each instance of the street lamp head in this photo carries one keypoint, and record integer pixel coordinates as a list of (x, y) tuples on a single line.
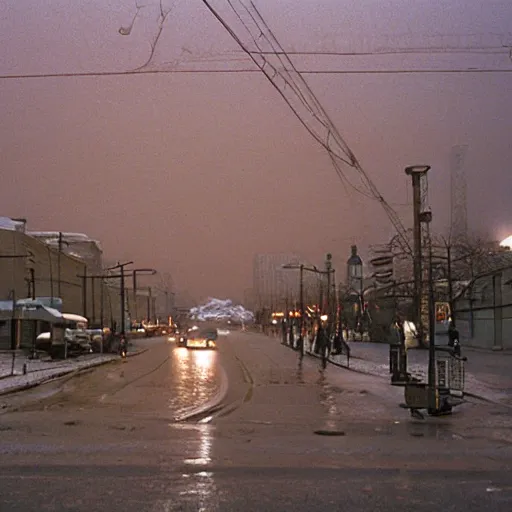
[(417, 169), (148, 271)]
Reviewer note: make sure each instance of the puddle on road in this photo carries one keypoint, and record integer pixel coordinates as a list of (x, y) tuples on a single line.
[(429, 430), (330, 423), (195, 379), (198, 488)]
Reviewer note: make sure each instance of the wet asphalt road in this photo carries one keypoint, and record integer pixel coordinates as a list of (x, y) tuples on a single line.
[(110, 440)]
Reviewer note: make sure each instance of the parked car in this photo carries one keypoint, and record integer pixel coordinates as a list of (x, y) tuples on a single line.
[(97, 339), (70, 337)]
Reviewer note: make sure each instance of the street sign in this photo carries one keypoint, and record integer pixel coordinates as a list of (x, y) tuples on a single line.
[(381, 261)]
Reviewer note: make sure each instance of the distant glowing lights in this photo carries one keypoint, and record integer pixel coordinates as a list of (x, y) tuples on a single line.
[(507, 242)]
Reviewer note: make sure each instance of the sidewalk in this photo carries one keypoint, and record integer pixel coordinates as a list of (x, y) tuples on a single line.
[(335, 418), (44, 369), (488, 376)]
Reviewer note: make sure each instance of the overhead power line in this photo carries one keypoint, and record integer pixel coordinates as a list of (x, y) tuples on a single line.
[(257, 40), (79, 74), (502, 50)]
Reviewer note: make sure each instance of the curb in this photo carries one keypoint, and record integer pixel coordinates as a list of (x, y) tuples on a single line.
[(137, 352), (211, 406), (487, 400), (55, 376), (69, 371)]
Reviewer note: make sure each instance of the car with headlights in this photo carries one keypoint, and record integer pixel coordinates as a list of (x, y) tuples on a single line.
[(181, 339), (201, 338), (178, 336)]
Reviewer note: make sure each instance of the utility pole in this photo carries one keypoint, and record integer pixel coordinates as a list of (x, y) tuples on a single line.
[(166, 312), (301, 299), (134, 286), (121, 266), (417, 173), (33, 283), (102, 304), (150, 271), (149, 304), (93, 302), (450, 283), (84, 292), (432, 396), (122, 301), (14, 328), (58, 266), (328, 270)]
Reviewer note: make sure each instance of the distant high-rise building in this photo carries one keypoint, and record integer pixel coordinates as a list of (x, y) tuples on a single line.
[(458, 194), (248, 301), (273, 286)]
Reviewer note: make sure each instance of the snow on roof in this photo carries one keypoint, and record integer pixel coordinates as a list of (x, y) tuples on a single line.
[(74, 318), (29, 310), (5, 305), (52, 237), (10, 225)]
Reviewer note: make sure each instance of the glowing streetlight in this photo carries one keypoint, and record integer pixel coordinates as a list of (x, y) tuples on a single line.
[(507, 242)]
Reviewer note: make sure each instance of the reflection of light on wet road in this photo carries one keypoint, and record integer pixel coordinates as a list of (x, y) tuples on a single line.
[(181, 353), (205, 358), (200, 487), (204, 448), (194, 378)]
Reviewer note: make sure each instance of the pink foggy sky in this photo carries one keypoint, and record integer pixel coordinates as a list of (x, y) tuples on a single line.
[(195, 173)]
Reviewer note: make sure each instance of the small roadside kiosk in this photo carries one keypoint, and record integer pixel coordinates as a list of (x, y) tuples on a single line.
[(445, 388)]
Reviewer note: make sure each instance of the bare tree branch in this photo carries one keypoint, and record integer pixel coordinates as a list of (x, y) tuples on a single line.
[(162, 17), (126, 31)]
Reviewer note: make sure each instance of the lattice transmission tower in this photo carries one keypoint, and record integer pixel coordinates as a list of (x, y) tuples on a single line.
[(458, 194)]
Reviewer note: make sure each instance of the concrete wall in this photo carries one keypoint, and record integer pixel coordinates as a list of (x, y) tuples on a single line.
[(12, 271), (15, 274), (101, 301)]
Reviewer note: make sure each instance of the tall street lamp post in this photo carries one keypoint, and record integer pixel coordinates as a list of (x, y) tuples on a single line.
[(328, 271), (300, 267), (150, 297), (418, 175), (303, 268)]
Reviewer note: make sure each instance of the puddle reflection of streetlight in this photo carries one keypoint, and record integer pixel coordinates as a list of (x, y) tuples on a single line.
[(204, 448), (201, 485), (181, 353), (204, 360), (194, 379)]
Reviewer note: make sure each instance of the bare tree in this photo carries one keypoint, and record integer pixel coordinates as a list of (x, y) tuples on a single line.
[(163, 13)]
